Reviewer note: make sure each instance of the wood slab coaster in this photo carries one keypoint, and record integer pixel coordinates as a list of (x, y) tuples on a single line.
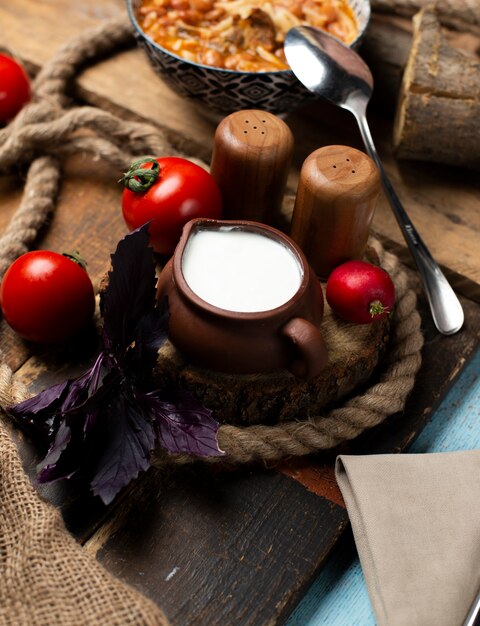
[(354, 351)]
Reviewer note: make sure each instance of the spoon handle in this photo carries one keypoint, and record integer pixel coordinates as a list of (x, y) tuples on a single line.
[(446, 309)]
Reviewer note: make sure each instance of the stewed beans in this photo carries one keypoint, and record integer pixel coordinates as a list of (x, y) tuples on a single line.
[(244, 35)]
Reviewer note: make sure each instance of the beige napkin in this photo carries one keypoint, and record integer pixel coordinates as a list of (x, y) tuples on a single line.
[(416, 523)]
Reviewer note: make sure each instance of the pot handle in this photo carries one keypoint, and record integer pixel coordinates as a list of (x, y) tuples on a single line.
[(309, 341)]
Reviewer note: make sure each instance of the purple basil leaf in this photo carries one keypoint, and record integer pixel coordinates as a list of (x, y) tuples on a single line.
[(74, 443), (183, 424), (150, 334), (83, 387), (73, 448), (72, 418), (36, 415), (41, 402), (93, 389), (90, 421), (152, 329), (86, 437), (49, 469), (39, 415), (131, 292), (127, 449)]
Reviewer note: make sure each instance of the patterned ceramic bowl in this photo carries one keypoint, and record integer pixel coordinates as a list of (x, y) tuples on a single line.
[(225, 91)]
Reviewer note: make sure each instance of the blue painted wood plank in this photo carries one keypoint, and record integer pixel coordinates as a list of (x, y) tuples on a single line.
[(455, 425), (339, 596)]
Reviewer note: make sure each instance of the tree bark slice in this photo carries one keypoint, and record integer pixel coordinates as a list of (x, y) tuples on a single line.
[(463, 15), (354, 351), (438, 117)]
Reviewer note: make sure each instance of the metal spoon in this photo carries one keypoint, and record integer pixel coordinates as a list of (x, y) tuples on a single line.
[(330, 69)]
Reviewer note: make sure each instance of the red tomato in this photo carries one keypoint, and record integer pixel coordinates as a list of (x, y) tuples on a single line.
[(169, 192), (46, 297), (14, 88), (360, 292)]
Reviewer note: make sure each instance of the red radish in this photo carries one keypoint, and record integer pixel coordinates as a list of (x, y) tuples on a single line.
[(360, 292)]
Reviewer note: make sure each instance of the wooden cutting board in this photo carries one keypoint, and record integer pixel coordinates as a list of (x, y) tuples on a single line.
[(214, 547)]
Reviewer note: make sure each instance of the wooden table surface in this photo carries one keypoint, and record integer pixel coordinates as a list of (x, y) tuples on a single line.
[(240, 547)]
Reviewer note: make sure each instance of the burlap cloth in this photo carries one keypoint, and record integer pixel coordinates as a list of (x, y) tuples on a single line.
[(46, 577)]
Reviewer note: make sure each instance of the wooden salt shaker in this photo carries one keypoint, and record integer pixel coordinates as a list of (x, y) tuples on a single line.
[(334, 206), (251, 157)]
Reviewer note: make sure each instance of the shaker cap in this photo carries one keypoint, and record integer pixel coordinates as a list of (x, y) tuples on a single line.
[(257, 132), (341, 171)]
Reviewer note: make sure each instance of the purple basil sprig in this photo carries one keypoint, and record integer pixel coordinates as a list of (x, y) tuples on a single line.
[(105, 424)]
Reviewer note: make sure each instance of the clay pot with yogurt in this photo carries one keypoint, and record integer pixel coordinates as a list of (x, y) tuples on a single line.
[(242, 299)]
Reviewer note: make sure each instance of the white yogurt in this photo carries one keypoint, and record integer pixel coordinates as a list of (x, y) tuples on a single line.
[(240, 270)]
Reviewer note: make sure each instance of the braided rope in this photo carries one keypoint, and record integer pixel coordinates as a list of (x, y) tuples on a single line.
[(289, 439), (45, 131), (37, 204)]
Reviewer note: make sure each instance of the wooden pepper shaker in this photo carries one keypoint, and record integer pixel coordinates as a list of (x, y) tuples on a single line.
[(334, 206), (251, 157)]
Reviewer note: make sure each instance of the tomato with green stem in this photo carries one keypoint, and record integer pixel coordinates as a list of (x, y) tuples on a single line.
[(47, 297), (168, 192)]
